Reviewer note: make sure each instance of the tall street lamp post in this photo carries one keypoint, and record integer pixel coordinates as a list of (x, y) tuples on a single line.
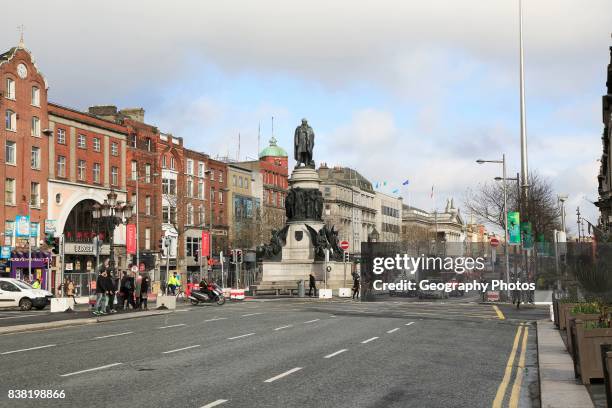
[(109, 216), (147, 178), (503, 163)]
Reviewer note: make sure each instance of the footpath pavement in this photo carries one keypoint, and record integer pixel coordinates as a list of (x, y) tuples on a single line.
[(558, 386)]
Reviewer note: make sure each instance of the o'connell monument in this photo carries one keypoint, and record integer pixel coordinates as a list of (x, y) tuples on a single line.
[(300, 247)]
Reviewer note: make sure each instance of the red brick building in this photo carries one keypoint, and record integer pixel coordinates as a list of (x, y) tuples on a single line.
[(23, 103)]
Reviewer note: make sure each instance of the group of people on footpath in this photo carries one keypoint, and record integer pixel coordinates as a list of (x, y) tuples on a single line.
[(113, 293)]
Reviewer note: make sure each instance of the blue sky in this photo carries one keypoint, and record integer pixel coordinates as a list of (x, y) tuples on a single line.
[(398, 90)]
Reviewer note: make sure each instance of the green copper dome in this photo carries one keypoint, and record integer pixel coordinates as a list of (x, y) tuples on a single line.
[(273, 150)]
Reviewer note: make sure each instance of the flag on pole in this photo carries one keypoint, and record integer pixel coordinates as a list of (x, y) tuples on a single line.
[(432, 192), (405, 183), (395, 191)]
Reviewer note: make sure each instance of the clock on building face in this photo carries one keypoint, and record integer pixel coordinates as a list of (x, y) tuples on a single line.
[(22, 71)]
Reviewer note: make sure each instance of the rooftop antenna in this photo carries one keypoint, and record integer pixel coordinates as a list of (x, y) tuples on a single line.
[(238, 158), (272, 126), (21, 29)]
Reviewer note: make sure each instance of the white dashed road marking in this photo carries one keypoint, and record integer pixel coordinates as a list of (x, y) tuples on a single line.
[(174, 325), (27, 349), (113, 335), (283, 327), (241, 336), (335, 353), (393, 330), (369, 340), (181, 349), (408, 324), (312, 321), (215, 403), (215, 319), (91, 369), (251, 314), (286, 373)]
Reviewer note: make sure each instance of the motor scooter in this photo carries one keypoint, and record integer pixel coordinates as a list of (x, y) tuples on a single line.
[(214, 295)]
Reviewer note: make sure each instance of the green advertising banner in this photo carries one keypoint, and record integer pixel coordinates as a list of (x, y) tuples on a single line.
[(527, 233), (514, 231)]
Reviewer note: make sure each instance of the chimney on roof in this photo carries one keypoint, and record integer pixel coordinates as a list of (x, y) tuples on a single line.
[(136, 114), (108, 112)]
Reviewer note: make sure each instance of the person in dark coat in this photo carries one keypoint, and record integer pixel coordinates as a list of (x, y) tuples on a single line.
[(127, 289), (355, 285), (111, 288), (101, 294), (312, 285), (144, 290)]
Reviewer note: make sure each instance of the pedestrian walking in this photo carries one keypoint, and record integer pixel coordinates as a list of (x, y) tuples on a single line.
[(70, 290), (355, 285), (101, 294), (111, 287), (144, 291), (137, 289), (127, 290), (312, 285), (36, 284)]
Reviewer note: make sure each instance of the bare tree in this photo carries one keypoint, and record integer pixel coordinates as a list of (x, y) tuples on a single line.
[(486, 203)]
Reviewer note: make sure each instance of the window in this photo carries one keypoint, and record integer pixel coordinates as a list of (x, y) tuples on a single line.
[(169, 186), (10, 120), (114, 176), (212, 175), (234, 180), (192, 245), (148, 143), (81, 141), (246, 182), (61, 166), (201, 215), (35, 126), (240, 182), (212, 195), (189, 187), (169, 215), (134, 169), (34, 194), (61, 136), (82, 170), (221, 197), (9, 191), (200, 169), (163, 162), (35, 160), (189, 214), (147, 173), (10, 152), (10, 88), (201, 189), (35, 96), (190, 167), (148, 205), (133, 140), (220, 177), (96, 144), (148, 238), (172, 163), (96, 172), (115, 149)]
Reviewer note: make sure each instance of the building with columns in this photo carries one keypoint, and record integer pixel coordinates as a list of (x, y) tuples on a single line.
[(604, 203)]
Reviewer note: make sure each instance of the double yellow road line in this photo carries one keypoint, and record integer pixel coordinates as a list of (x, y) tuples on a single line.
[(518, 380)]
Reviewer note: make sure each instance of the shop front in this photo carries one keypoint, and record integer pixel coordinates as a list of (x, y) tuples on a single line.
[(23, 269)]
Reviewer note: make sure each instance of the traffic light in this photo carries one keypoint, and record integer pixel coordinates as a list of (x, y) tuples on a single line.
[(239, 256), (346, 256), (53, 243)]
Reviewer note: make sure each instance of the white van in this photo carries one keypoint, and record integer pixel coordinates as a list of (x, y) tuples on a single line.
[(16, 293)]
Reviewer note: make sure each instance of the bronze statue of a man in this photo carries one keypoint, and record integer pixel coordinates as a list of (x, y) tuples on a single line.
[(303, 145)]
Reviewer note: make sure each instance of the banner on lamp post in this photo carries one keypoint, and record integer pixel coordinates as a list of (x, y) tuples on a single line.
[(205, 243), (130, 238), (527, 232), (514, 228)]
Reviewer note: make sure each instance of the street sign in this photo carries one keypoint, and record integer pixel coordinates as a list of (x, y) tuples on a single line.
[(134, 269), (494, 242), (344, 245)]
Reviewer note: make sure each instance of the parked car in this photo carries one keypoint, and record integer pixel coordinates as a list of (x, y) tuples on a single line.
[(434, 293), (16, 293)]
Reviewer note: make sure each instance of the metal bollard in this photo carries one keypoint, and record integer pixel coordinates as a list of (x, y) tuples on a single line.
[(301, 290)]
